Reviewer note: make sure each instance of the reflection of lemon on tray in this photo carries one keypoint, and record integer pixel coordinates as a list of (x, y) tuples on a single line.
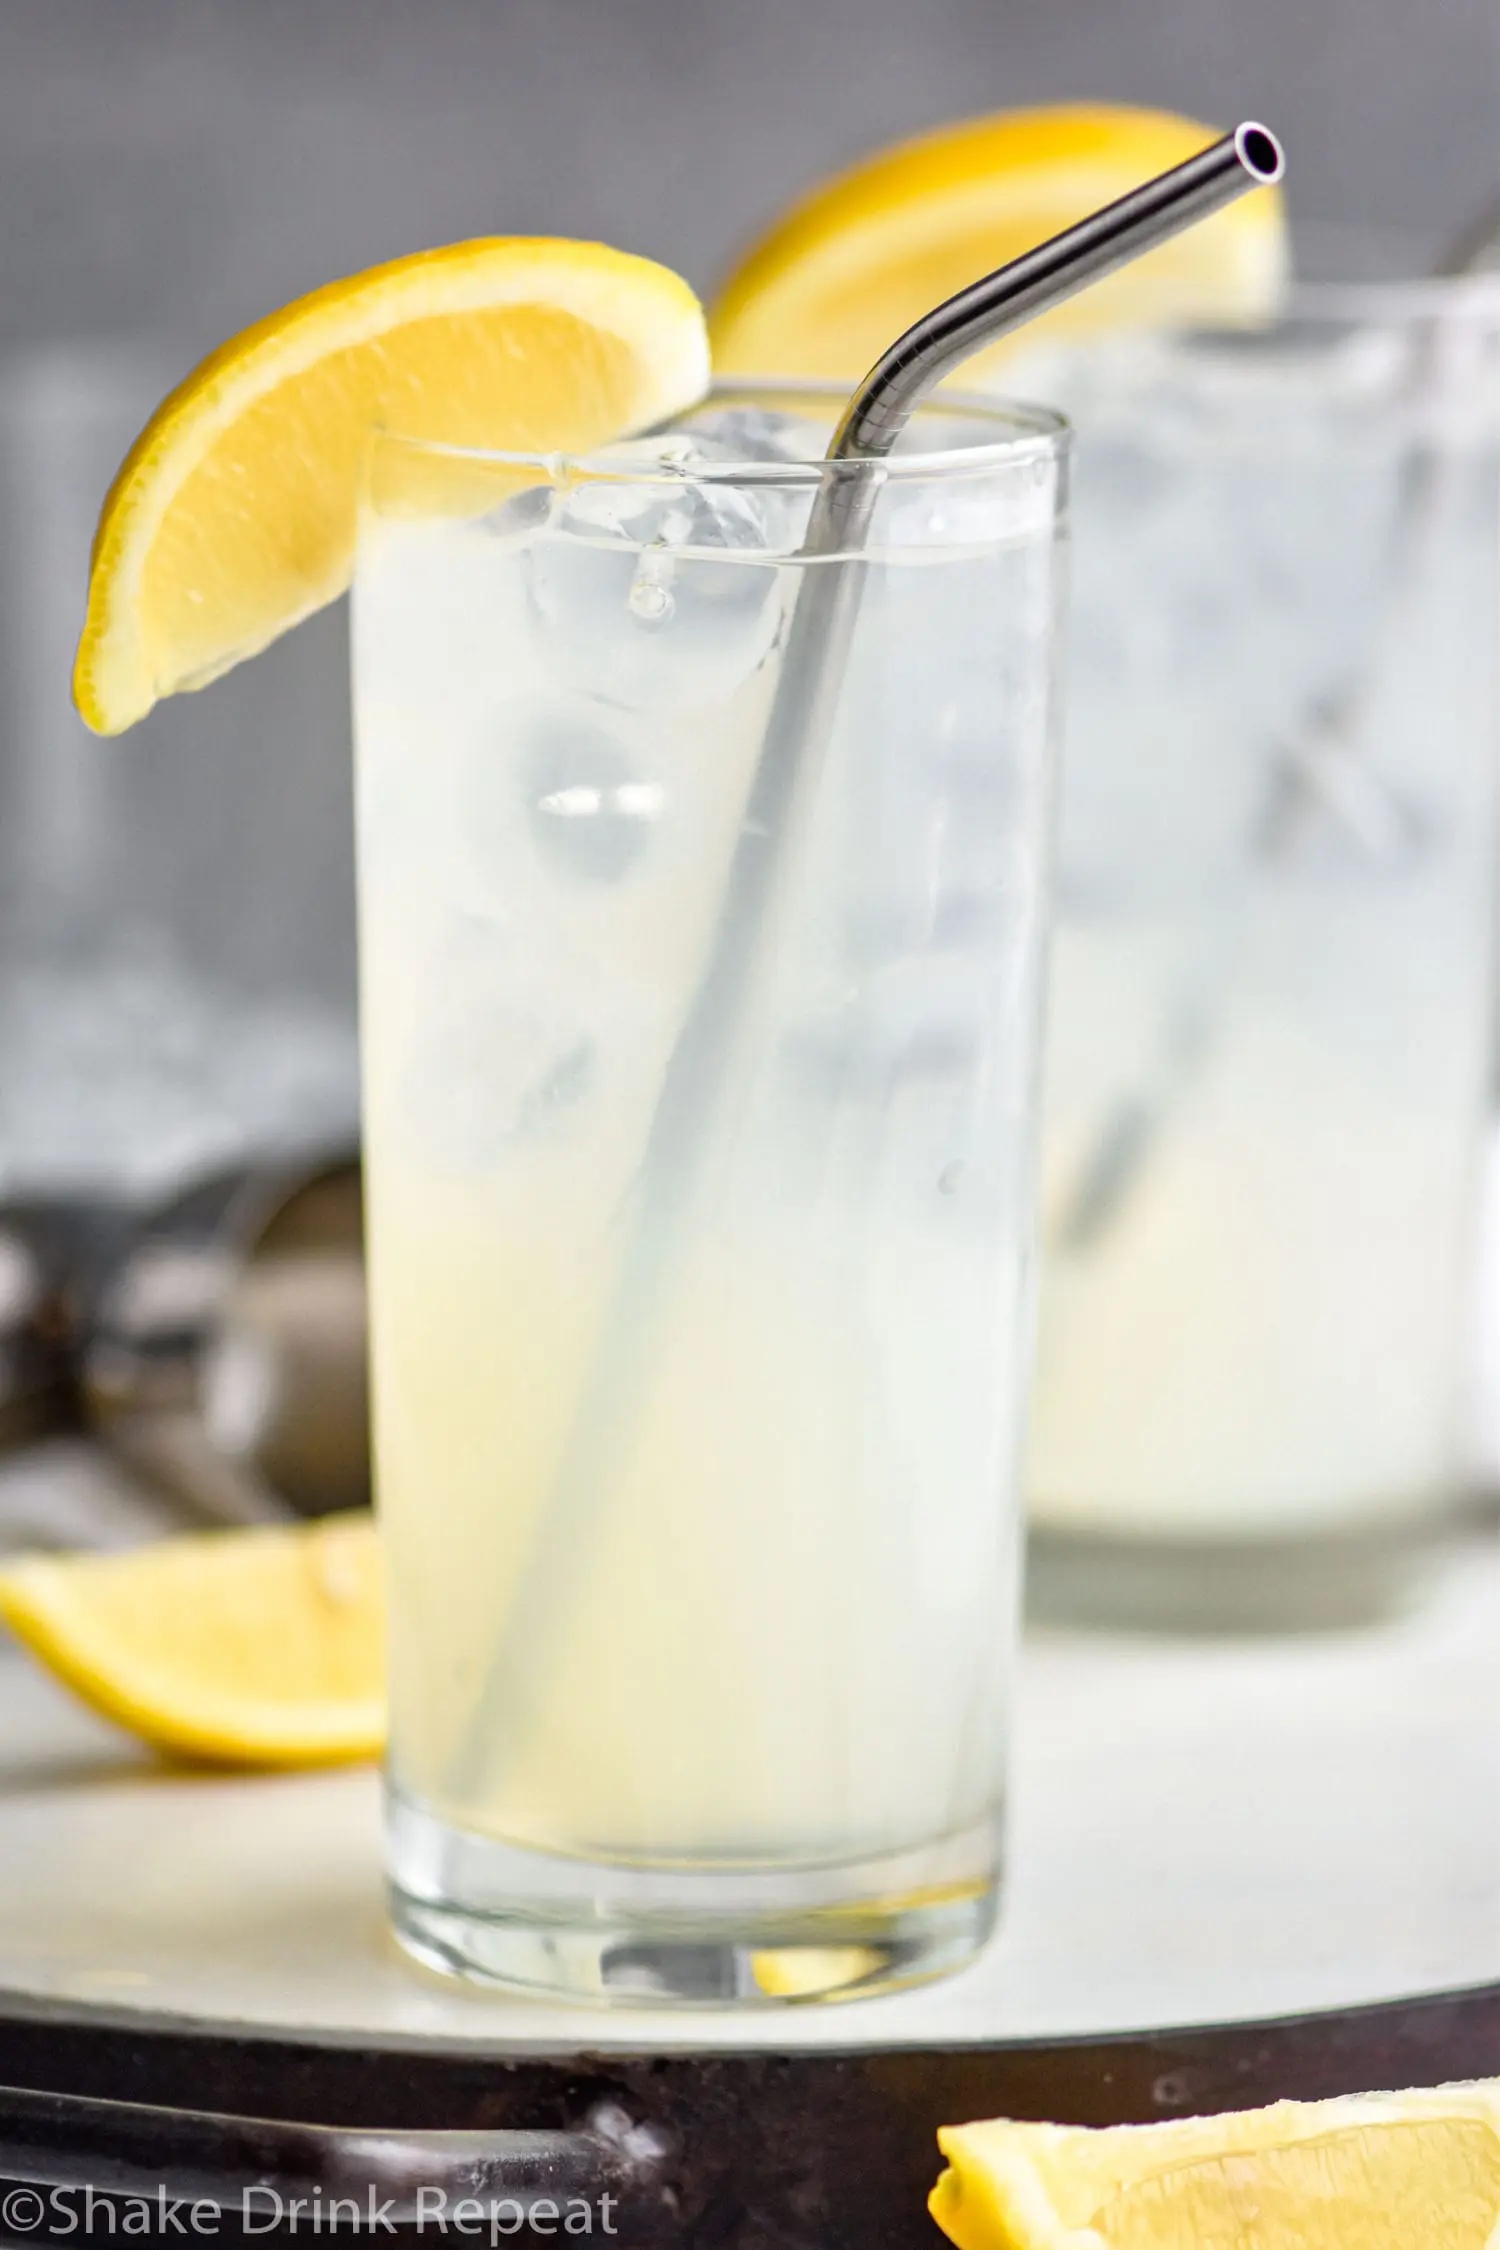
[(853, 264), (263, 1647), (1409, 2171), (234, 514)]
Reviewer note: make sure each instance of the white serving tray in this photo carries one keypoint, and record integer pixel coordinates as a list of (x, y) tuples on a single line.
[(1202, 1832)]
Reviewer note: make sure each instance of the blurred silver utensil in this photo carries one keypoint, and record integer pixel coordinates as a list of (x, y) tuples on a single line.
[(220, 1345), (1323, 769), (35, 1373), (700, 1075)]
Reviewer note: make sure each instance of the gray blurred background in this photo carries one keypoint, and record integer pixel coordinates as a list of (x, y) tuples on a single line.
[(176, 911), (193, 162)]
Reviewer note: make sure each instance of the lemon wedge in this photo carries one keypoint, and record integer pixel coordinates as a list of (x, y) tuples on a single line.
[(860, 258), (813, 1972), (261, 1647), (233, 516), (1365, 2172)]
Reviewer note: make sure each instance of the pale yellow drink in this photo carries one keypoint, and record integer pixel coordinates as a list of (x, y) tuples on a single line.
[(768, 1637)]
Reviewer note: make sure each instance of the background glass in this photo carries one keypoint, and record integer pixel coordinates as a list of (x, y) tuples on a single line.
[(1273, 993), (735, 1730)]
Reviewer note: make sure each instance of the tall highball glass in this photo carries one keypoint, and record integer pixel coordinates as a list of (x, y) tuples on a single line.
[(698, 1466), (1272, 1015)]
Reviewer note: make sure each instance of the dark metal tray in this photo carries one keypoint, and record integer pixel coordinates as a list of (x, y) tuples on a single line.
[(817, 2149)]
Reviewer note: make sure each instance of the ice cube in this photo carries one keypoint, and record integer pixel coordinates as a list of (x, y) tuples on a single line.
[(501, 1054), (522, 515), (993, 504), (553, 793), (755, 433), (658, 591), (589, 804)]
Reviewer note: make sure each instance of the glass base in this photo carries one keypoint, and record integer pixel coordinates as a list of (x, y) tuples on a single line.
[(718, 1937), (1328, 1582)]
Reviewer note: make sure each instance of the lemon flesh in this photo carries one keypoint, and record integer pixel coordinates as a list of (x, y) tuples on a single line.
[(233, 516), (859, 259), (263, 1647), (1365, 2172)]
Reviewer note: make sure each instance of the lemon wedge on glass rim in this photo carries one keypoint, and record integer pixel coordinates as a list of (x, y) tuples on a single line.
[(1418, 2170), (856, 261), (263, 1647), (233, 516)]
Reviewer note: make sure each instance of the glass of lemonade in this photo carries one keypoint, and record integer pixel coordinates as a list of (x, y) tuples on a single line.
[(1272, 1010), (697, 1467)]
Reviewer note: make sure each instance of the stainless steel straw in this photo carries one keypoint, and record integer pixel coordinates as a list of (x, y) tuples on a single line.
[(699, 1076)]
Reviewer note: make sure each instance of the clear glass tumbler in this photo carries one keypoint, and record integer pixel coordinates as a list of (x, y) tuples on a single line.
[(1272, 1011), (698, 1465)]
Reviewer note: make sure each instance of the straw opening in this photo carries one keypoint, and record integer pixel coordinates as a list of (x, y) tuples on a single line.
[(1260, 153)]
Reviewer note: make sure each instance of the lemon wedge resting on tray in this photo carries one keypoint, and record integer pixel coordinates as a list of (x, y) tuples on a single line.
[(262, 1647), (1418, 2170), (233, 516), (856, 261)]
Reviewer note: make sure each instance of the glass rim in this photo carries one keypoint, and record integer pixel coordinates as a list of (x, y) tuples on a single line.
[(1034, 433)]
